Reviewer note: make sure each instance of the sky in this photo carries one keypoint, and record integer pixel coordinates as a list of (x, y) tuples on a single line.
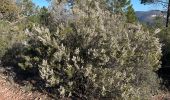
[(141, 7), (41, 3), (136, 5)]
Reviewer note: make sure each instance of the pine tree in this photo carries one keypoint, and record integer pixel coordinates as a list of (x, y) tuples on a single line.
[(120, 5), (27, 7), (8, 10), (44, 16), (130, 15)]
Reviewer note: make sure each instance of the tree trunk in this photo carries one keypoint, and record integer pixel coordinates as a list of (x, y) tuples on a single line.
[(168, 14)]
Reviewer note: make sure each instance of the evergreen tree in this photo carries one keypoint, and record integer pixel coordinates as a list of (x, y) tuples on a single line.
[(130, 15), (120, 5), (8, 10), (44, 16), (27, 7), (148, 1)]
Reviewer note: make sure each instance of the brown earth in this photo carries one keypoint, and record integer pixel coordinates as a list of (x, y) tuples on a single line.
[(9, 91), (162, 96)]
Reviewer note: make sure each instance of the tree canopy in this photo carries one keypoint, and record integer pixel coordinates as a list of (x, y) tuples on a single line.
[(8, 9)]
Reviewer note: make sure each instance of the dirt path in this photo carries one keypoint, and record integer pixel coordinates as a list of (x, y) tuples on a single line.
[(14, 92)]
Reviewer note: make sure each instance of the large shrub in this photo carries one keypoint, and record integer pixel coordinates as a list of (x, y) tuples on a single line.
[(9, 35), (8, 10), (95, 56), (164, 36)]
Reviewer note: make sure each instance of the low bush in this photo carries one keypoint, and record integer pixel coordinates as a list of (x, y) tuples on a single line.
[(95, 56)]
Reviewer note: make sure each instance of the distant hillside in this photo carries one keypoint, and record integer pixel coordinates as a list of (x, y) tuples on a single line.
[(149, 16)]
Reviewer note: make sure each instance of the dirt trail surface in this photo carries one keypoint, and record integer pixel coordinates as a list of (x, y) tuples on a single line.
[(10, 91)]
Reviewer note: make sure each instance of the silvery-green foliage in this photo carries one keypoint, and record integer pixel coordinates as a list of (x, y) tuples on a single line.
[(96, 56), (87, 63)]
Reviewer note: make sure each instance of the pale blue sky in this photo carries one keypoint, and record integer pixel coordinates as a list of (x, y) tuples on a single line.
[(141, 7), (136, 5), (41, 3)]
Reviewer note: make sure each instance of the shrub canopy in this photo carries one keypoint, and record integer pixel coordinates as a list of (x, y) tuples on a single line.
[(95, 55)]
